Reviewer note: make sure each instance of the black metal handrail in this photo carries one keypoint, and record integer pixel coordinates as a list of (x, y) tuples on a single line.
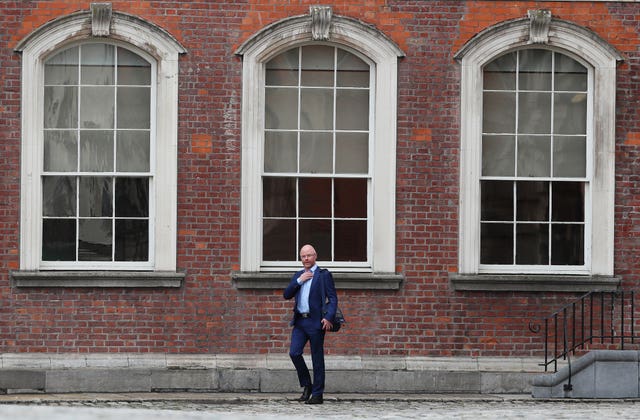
[(605, 316)]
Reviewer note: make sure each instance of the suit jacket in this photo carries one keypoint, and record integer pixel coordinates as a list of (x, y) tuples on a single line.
[(321, 278)]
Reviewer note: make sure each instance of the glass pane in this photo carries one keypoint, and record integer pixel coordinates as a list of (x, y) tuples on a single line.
[(132, 240), (96, 197), (532, 201), (498, 155), (352, 109), (535, 70), (279, 197), (568, 201), (500, 74), (132, 151), (532, 243), (279, 240), (534, 113), (351, 197), (60, 107), (282, 70), (534, 156), (62, 69), (570, 113), (352, 71), (496, 243), (98, 61), (59, 196), (569, 156), (351, 240), (352, 153), (499, 112), (96, 151), (315, 197), (570, 75), (567, 244), (317, 65), (60, 151), (132, 197), (58, 240), (318, 234), (97, 107), (134, 109), (281, 108), (496, 200), (280, 151), (132, 69), (94, 240), (316, 153), (316, 109)]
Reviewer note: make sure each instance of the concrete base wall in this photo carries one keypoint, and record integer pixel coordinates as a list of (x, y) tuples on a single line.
[(61, 373)]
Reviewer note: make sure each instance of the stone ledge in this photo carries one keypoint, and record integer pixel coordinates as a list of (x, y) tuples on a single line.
[(122, 279), (532, 283), (280, 280)]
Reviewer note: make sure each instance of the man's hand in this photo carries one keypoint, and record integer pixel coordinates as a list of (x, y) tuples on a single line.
[(326, 325), (307, 275)]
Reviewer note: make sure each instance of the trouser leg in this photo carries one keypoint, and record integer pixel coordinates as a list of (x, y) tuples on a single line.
[(317, 357), (298, 340)]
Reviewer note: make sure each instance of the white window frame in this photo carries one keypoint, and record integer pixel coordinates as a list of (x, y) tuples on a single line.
[(147, 40), (601, 59), (365, 41)]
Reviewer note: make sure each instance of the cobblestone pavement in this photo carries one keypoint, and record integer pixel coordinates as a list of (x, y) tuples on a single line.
[(281, 407)]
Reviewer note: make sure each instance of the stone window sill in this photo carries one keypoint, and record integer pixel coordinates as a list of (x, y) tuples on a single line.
[(122, 279), (280, 280), (532, 283)]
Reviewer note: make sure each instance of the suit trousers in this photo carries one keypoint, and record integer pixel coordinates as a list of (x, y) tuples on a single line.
[(308, 329)]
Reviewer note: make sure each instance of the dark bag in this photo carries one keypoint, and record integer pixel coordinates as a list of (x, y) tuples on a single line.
[(338, 319)]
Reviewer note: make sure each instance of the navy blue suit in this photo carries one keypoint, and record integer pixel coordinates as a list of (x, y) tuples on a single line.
[(310, 328)]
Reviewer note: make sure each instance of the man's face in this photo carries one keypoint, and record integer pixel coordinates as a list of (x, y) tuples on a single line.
[(308, 256)]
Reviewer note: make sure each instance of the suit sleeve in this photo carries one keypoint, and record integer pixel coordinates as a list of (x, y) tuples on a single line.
[(332, 296), (293, 287)]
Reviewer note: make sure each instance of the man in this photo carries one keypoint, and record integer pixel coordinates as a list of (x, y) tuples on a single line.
[(309, 323)]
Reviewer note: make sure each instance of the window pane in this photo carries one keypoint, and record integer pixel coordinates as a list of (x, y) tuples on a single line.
[(316, 153), (278, 240), (281, 108), (570, 75), (568, 201), (97, 108), (98, 62), (132, 69), (496, 244), (316, 109), (280, 151), (59, 196), (95, 196), (60, 151), (499, 114), (532, 243), (315, 197), (352, 109), (535, 70), (569, 156), (567, 244), (132, 240), (317, 233), (132, 197), (62, 69), (96, 151), (134, 107), (132, 151), (534, 156), (352, 71), (352, 153), (532, 201), (500, 74), (283, 69), (534, 114), (570, 116), (496, 200), (60, 107), (351, 197), (498, 155), (94, 240), (317, 65), (279, 197), (351, 240), (58, 240)]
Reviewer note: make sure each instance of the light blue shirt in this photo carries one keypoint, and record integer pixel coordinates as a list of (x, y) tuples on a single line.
[(303, 298)]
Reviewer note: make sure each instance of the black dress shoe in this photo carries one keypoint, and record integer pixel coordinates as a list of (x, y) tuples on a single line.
[(315, 399), (305, 394)]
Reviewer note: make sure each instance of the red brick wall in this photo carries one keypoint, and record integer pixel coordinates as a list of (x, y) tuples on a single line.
[(208, 314)]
